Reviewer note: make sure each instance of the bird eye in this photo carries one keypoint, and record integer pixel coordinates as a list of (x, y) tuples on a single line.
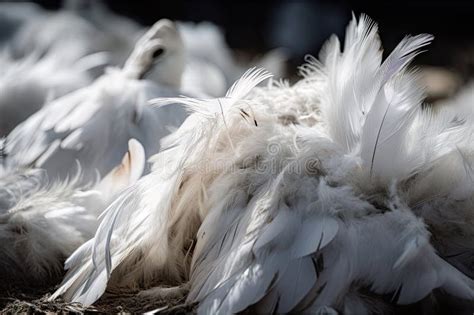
[(158, 53)]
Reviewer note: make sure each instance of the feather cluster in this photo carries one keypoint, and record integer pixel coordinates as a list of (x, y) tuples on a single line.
[(261, 205), (340, 193)]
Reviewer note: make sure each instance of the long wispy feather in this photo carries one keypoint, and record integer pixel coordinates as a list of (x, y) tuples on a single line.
[(346, 97), (298, 216), (130, 226), (250, 79)]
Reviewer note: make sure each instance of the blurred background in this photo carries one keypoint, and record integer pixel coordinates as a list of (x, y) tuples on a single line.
[(252, 28), (302, 26)]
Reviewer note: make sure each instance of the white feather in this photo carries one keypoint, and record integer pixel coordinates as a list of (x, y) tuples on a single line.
[(43, 222), (92, 125), (297, 214)]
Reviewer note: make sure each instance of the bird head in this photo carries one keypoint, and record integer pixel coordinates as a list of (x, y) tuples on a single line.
[(158, 55)]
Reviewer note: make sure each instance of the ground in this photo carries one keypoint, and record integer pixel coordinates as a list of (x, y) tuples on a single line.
[(34, 301)]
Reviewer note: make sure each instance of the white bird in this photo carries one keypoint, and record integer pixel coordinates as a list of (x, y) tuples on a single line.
[(208, 55), (92, 125), (75, 31), (27, 84), (42, 222), (327, 213), (206, 42)]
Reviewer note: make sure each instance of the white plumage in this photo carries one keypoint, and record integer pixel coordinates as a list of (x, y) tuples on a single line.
[(42, 221), (208, 56), (282, 203), (206, 44), (79, 28), (47, 55), (338, 194), (92, 125), (27, 84)]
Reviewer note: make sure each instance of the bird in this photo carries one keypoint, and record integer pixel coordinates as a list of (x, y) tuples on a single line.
[(25, 89), (208, 55), (42, 221), (254, 207), (205, 41), (77, 29), (92, 125)]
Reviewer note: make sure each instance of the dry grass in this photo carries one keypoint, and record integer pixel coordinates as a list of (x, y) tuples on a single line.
[(34, 301)]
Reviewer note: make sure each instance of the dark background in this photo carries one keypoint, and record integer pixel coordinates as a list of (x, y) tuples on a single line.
[(302, 26)]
